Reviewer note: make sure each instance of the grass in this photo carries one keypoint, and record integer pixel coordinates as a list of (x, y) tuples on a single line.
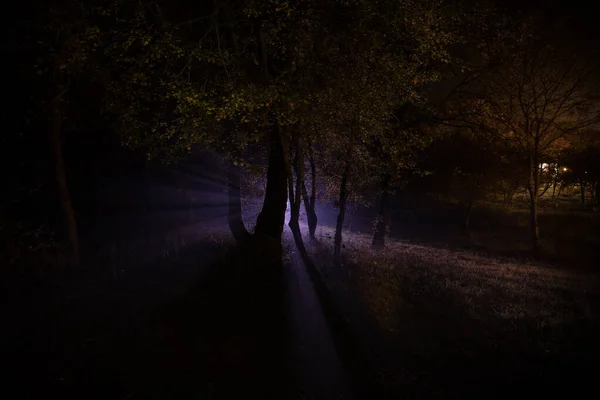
[(570, 236), (181, 312), (451, 317), (193, 322)]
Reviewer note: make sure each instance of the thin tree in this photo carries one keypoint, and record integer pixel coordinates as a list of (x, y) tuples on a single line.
[(537, 96)]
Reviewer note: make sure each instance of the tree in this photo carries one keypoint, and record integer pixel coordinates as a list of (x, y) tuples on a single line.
[(270, 72), (581, 166), (63, 37), (395, 153), (532, 96)]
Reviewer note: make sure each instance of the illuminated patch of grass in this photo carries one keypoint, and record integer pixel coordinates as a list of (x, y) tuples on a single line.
[(446, 309)]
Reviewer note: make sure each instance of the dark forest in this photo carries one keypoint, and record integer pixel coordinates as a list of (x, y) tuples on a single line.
[(309, 199)]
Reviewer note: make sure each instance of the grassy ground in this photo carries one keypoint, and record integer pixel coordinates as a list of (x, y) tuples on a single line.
[(194, 324), (184, 315), (448, 324), (570, 236)]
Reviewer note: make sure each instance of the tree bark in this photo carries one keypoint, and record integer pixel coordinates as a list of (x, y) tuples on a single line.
[(337, 246), (61, 180), (473, 190), (295, 204), (554, 193), (269, 223), (234, 210), (468, 218), (295, 200), (384, 217), (534, 184), (313, 176), (309, 202), (592, 191)]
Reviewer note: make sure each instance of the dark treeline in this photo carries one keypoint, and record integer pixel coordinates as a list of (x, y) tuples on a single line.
[(322, 100)]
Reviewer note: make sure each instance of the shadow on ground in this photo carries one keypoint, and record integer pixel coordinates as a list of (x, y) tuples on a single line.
[(429, 340), (202, 324)]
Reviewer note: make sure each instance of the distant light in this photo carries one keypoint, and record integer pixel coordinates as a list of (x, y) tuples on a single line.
[(565, 169)]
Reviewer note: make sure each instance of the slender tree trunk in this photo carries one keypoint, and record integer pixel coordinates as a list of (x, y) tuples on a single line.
[(309, 202), (297, 197), (234, 196), (234, 210), (384, 216), (554, 185), (311, 214), (337, 246), (61, 180), (295, 200), (269, 223), (509, 194), (471, 202), (468, 217), (582, 190), (534, 184)]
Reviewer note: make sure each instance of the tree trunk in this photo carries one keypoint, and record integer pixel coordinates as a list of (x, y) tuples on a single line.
[(61, 180), (592, 191), (269, 223), (311, 215), (534, 184), (234, 210), (309, 203), (468, 218), (295, 200), (554, 193), (473, 190), (509, 194), (295, 204), (582, 190), (384, 216), (337, 246)]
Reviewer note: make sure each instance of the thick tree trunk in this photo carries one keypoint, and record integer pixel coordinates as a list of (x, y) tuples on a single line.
[(61, 180), (234, 210), (384, 217), (534, 185), (269, 224), (337, 245)]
